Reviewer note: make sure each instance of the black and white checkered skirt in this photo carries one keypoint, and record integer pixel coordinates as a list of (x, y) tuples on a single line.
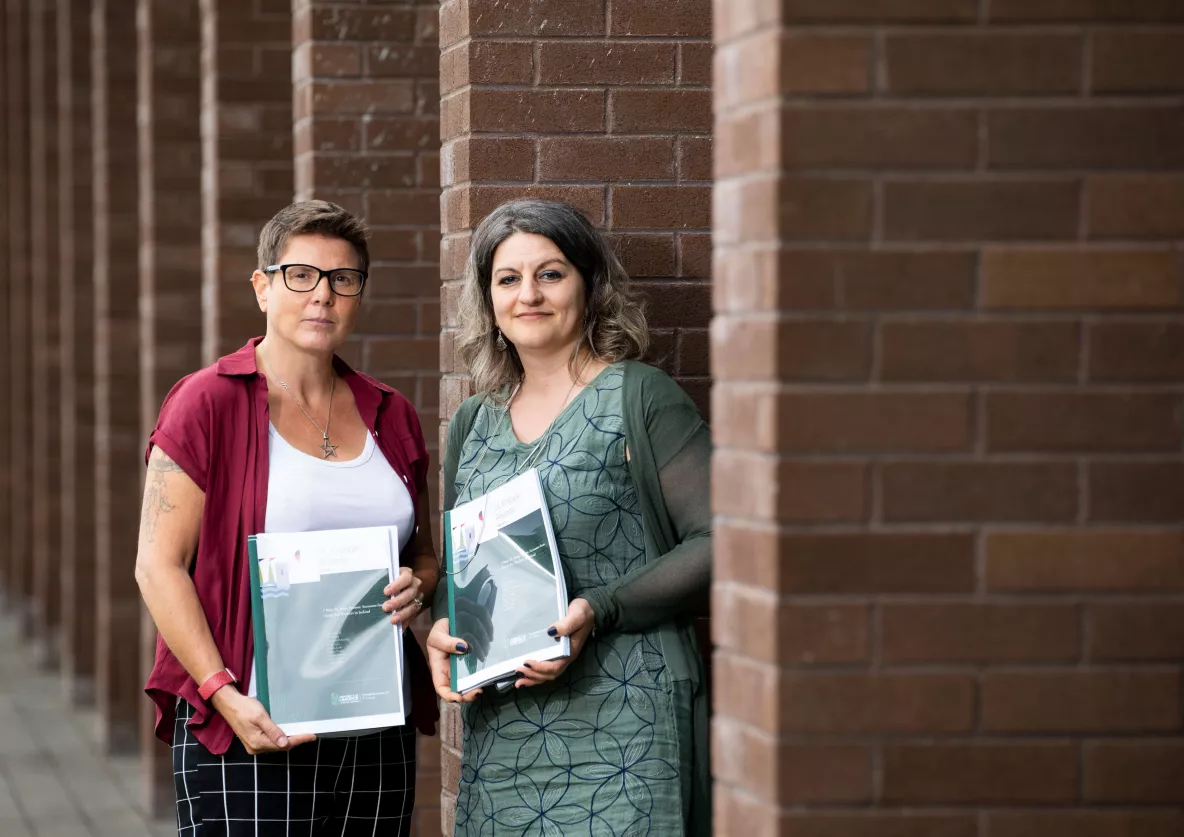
[(344, 787)]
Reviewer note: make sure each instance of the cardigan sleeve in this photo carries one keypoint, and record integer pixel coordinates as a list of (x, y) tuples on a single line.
[(678, 445)]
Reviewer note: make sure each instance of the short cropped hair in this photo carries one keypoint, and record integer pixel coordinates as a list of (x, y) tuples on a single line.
[(312, 218), (615, 326)]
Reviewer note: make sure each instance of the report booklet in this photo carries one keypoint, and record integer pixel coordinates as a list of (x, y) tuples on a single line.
[(505, 583), (327, 658)]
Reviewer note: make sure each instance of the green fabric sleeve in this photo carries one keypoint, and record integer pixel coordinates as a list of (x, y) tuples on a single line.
[(672, 463)]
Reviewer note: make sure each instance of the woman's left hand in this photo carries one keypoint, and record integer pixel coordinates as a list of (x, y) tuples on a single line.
[(407, 601), (578, 625)]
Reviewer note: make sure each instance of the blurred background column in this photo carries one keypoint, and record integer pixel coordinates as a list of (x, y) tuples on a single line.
[(44, 326), (170, 270), (607, 107), (246, 134), (19, 562), (75, 269), (6, 251), (367, 94), (118, 439)]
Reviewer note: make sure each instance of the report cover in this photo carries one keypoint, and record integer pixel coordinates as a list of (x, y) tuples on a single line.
[(505, 582), (327, 658)]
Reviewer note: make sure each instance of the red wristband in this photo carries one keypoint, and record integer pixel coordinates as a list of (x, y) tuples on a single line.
[(216, 682)]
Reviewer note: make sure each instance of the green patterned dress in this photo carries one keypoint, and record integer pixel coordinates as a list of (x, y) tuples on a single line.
[(600, 750)]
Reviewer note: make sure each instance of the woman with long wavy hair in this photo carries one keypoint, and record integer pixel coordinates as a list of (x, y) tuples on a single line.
[(612, 739)]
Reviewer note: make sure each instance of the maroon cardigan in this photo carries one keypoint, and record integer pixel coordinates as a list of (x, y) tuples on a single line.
[(214, 425)]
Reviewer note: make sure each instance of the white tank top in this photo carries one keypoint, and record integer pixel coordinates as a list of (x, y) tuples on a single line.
[(308, 494)]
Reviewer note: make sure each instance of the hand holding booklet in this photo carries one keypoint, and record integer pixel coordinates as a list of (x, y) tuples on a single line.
[(327, 658), (505, 583)]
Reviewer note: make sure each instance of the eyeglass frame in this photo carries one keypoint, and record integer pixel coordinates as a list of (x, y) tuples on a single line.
[(322, 274)]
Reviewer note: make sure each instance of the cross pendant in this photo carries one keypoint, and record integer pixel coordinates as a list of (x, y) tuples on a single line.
[(328, 449)]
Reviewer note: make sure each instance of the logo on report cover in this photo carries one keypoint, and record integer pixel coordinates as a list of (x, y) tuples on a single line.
[(275, 577), (338, 700)]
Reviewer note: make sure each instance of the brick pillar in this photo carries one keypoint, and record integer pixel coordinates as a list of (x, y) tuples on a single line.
[(19, 563), (5, 371), (169, 79), (366, 82), (606, 106), (948, 480), (76, 330), (118, 434), (45, 357), (246, 108)]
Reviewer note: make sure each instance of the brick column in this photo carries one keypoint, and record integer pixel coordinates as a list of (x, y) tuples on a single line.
[(5, 245), (948, 481), (19, 581), (606, 106), (246, 107), (6, 242), (44, 396), (367, 137), (366, 84), (118, 434), (76, 330), (169, 79)]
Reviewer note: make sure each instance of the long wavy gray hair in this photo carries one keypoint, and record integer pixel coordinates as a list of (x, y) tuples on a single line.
[(615, 327)]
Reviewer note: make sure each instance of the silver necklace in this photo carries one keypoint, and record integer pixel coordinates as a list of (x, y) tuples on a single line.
[(326, 448)]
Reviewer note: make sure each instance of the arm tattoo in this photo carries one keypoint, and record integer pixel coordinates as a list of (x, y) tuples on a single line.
[(156, 497), (160, 461)]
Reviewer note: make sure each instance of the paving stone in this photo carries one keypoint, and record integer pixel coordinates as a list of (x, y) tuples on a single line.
[(54, 781)]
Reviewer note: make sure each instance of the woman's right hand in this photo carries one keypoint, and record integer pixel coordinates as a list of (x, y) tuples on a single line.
[(252, 724), (441, 647)]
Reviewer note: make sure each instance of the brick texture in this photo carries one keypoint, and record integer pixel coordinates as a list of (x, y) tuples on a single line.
[(607, 106), (947, 406), (169, 148), (6, 245), (45, 363), (77, 329), (366, 81), (116, 353), (247, 145), (19, 581)]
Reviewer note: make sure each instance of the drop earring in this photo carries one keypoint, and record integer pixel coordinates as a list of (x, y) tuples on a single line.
[(500, 342)]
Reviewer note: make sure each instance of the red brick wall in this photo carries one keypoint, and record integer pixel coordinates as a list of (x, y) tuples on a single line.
[(367, 137), (246, 106), (18, 563), (608, 107), (118, 441), (366, 86), (44, 399), (76, 330), (948, 480), (169, 96), (5, 247)]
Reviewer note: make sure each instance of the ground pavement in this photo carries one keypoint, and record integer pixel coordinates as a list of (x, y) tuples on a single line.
[(53, 782)]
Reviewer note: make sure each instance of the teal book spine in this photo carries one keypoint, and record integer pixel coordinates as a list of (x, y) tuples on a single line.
[(258, 626), (450, 571)]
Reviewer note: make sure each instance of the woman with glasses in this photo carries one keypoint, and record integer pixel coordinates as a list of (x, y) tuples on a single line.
[(280, 436), (612, 739)]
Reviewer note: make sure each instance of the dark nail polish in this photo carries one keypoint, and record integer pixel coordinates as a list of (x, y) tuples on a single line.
[(552, 632), (462, 648), (528, 665)]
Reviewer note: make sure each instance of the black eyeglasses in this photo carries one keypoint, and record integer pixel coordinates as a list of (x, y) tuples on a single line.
[(304, 278)]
